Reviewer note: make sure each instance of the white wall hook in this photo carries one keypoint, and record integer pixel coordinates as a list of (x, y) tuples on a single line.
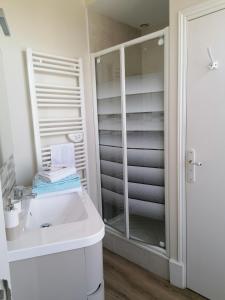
[(214, 64)]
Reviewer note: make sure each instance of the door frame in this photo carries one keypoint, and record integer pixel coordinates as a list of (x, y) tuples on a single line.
[(178, 270), (121, 48)]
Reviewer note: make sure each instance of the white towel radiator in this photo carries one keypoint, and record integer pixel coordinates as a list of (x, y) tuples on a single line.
[(57, 103)]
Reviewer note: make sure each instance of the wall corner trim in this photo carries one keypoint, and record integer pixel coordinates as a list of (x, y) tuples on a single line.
[(177, 273)]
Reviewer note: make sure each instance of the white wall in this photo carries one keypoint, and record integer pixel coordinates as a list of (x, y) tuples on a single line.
[(175, 7), (52, 26), (6, 143), (105, 32)]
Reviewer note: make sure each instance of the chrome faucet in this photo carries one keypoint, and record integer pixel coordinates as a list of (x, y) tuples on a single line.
[(18, 194), (23, 193)]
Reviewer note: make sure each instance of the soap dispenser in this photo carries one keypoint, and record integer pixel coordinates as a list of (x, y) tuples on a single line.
[(12, 223)]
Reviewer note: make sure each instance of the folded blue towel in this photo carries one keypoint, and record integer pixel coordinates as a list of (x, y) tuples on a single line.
[(42, 187), (39, 182)]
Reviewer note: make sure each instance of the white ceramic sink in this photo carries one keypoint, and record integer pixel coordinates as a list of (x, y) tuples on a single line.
[(74, 223), (55, 210)]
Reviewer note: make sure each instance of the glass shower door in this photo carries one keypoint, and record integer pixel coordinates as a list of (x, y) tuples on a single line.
[(110, 138), (144, 65)]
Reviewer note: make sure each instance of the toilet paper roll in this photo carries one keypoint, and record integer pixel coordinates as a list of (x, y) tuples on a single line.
[(11, 218)]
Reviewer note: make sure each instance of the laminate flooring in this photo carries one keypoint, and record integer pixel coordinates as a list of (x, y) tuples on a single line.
[(127, 281)]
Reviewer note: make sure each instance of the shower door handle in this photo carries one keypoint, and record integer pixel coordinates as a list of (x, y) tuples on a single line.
[(191, 166)]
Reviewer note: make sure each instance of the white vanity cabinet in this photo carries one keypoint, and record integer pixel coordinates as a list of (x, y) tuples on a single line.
[(64, 260), (69, 275)]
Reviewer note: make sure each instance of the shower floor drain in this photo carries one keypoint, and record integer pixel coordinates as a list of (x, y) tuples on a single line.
[(45, 225)]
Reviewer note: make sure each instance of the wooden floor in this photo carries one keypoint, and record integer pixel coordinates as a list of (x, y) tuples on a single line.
[(127, 281)]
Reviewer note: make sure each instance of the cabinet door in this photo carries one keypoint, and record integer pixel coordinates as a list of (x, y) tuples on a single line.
[(55, 276), (110, 138)]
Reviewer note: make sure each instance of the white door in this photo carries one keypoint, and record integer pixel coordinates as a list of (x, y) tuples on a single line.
[(206, 136), (4, 265)]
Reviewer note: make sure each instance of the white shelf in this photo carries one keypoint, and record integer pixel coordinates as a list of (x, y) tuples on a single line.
[(139, 84)]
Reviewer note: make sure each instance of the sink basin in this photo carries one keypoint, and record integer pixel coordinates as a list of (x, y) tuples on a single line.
[(55, 210), (70, 222)]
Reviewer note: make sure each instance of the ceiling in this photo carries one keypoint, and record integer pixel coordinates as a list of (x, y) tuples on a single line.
[(134, 12)]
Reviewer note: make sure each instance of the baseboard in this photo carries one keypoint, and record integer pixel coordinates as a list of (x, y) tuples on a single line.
[(177, 274), (147, 259)]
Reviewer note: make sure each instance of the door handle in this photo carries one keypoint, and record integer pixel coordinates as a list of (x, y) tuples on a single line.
[(195, 163), (191, 165)]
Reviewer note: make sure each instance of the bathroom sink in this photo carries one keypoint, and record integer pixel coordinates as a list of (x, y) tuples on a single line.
[(56, 223), (55, 210)]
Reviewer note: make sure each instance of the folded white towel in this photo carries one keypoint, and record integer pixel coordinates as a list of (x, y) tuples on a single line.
[(56, 174), (62, 155)]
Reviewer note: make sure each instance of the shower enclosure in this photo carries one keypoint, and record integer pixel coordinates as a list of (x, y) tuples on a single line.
[(131, 138)]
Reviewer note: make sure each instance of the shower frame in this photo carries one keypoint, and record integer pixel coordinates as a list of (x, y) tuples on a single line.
[(164, 33)]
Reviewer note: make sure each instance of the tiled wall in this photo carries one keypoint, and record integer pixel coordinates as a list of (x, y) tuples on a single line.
[(7, 177)]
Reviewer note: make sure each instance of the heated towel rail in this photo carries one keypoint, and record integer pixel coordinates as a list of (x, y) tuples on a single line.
[(57, 103)]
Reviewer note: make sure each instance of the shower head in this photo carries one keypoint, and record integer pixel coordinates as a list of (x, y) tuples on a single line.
[(3, 23)]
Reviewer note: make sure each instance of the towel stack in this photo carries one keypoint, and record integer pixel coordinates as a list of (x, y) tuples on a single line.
[(62, 175), (56, 180), (55, 174)]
